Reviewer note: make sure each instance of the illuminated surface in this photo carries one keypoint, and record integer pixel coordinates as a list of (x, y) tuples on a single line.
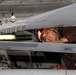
[(7, 37)]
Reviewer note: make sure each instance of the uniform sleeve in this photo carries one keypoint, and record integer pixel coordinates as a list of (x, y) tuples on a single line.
[(70, 34)]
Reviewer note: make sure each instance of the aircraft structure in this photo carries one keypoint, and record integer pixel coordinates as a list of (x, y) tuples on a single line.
[(65, 16), (37, 72), (61, 17)]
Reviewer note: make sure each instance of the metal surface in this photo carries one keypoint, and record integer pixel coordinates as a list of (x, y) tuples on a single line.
[(35, 46), (63, 16), (33, 72)]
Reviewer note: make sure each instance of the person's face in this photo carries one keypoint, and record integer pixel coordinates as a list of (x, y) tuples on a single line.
[(50, 36)]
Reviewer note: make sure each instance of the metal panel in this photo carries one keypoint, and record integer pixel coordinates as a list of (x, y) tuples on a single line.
[(35, 46), (71, 72), (32, 72), (49, 19)]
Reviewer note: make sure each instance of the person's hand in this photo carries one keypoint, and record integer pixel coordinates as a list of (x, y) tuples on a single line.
[(62, 40), (59, 41)]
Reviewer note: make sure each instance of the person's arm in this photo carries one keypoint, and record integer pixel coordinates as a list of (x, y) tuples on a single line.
[(69, 38), (69, 35), (62, 40)]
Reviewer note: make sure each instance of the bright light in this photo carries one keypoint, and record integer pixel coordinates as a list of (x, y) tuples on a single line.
[(1, 37), (7, 37)]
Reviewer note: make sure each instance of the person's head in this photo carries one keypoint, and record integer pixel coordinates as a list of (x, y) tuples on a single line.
[(48, 35)]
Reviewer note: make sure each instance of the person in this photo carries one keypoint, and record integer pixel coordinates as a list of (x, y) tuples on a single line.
[(61, 35), (65, 35)]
